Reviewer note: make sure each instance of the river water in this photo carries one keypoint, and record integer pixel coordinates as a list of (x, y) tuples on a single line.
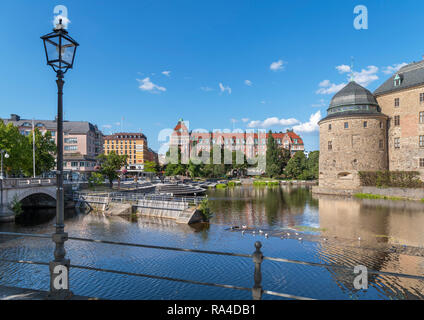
[(300, 227)]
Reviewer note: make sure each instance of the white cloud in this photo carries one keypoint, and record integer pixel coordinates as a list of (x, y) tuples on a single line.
[(223, 89), (245, 120), (326, 87), (364, 77), (107, 126), (311, 125), (248, 83), (343, 68), (272, 122), (147, 85), (166, 73), (206, 89), (263, 102), (277, 65), (233, 120), (394, 68)]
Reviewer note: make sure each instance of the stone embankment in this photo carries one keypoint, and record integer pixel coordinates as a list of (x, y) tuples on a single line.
[(403, 193)]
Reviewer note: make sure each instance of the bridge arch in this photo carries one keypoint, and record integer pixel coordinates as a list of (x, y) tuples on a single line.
[(23, 194)]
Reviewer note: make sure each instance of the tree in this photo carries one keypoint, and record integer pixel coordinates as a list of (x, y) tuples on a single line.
[(150, 166), (19, 148), (111, 164), (276, 158), (296, 166), (312, 165), (45, 149)]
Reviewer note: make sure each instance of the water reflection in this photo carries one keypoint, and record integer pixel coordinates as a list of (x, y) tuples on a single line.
[(380, 224)]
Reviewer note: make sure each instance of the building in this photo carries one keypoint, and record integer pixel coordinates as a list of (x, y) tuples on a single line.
[(369, 132), (134, 145), (353, 137), (401, 98), (82, 141), (252, 144)]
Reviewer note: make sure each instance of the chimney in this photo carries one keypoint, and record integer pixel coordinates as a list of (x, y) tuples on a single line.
[(15, 117)]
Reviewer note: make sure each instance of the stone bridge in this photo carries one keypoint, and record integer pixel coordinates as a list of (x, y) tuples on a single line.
[(29, 191)]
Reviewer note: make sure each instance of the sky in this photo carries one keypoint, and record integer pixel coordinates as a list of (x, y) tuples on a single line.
[(223, 64)]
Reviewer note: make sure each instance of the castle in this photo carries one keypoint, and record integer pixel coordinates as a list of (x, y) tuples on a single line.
[(366, 131)]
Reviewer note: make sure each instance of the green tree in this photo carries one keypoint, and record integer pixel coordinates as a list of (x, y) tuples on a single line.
[(296, 166), (45, 149), (151, 166), (111, 164), (96, 179), (312, 165), (276, 158)]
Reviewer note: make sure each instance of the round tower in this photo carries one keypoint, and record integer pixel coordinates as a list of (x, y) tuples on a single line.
[(353, 137)]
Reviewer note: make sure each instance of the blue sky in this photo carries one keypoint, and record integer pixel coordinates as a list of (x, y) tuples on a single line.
[(152, 62)]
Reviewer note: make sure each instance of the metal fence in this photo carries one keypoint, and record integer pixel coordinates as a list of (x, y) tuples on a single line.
[(257, 257)]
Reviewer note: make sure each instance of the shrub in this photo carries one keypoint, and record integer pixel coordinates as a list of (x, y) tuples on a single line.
[(221, 186), (205, 209), (16, 206), (384, 179)]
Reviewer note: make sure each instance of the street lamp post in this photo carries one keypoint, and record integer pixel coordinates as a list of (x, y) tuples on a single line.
[(60, 51), (4, 211)]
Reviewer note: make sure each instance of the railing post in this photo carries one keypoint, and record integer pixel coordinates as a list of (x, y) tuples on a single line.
[(257, 260)]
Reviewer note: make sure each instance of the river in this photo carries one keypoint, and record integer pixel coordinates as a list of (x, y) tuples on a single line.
[(382, 235)]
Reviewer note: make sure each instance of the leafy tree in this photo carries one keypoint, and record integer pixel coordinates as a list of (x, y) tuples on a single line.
[(96, 179), (150, 166), (45, 149), (20, 150), (312, 165), (111, 164), (296, 166), (276, 158)]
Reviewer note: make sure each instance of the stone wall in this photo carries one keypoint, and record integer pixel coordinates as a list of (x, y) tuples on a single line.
[(406, 158), (353, 149), (409, 193)]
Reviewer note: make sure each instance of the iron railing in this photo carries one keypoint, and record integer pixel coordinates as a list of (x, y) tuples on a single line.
[(257, 257)]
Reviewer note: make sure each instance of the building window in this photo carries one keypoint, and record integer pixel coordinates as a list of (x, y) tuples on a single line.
[(346, 125), (421, 162), (397, 120), (330, 145), (71, 140), (74, 164), (397, 143), (397, 81), (397, 103), (381, 125), (365, 124), (329, 127), (421, 117), (421, 141), (421, 97), (380, 144), (71, 148)]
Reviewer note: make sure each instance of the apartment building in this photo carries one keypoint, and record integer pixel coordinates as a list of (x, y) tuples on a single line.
[(82, 141)]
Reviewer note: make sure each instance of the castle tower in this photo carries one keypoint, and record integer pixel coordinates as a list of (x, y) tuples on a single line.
[(353, 137)]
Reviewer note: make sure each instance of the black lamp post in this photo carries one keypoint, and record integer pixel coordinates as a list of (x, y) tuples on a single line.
[(60, 53)]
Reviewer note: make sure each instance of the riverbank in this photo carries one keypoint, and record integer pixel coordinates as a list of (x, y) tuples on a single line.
[(416, 194)]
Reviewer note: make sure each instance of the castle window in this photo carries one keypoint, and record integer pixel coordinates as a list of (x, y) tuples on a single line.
[(329, 127), (397, 120), (421, 141), (330, 145), (381, 124), (397, 102), (422, 97), (397, 81), (346, 125), (421, 162), (421, 117), (380, 144), (397, 143), (365, 124)]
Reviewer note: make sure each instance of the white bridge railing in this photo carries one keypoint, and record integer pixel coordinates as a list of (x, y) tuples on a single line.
[(25, 182)]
